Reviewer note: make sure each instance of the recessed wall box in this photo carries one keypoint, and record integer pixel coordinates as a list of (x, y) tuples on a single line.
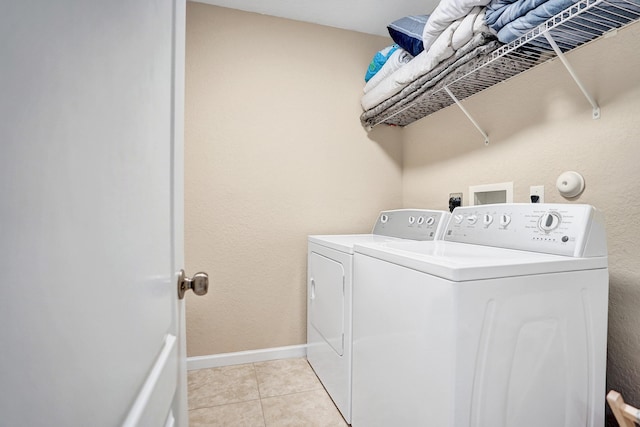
[(491, 193)]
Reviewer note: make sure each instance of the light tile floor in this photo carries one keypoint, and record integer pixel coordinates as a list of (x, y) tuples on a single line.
[(277, 393)]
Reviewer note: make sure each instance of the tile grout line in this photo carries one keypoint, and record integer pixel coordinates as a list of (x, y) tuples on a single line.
[(294, 392), (255, 373), (223, 404)]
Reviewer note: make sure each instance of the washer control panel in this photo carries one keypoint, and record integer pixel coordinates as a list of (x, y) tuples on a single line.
[(414, 224), (561, 229)]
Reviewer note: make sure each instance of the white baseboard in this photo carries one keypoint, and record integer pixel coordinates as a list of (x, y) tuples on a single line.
[(242, 357)]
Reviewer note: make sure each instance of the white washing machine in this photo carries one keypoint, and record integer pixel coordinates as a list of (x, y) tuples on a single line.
[(329, 293), (503, 323)]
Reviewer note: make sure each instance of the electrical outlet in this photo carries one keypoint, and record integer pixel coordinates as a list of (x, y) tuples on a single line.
[(536, 190)]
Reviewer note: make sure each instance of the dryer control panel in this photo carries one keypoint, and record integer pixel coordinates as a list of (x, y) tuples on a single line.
[(414, 224), (563, 229)]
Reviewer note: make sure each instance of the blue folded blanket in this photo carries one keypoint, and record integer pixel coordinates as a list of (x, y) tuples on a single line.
[(500, 12), (511, 19)]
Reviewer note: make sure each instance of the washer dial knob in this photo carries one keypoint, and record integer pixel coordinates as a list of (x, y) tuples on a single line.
[(458, 219), (504, 220), (430, 221), (549, 221), (472, 219), (487, 220)]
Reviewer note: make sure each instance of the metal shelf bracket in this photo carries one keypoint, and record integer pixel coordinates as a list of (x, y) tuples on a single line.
[(574, 76), (466, 113)]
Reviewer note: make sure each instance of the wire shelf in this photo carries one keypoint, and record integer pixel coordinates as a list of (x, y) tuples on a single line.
[(581, 23)]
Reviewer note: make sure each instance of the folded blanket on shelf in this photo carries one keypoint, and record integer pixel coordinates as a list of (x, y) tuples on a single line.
[(447, 12), (430, 99), (396, 60), (471, 24), (452, 39), (481, 44), (501, 12), (522, 16)]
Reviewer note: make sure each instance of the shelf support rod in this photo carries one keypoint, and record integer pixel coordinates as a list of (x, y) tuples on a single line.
[(466, 113), (574, 76)]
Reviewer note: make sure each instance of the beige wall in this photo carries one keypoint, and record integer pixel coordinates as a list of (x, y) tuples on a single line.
[(540, 125), (274, 152)]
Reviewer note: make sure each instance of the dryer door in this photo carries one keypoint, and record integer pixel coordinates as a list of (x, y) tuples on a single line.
[(326, 299)]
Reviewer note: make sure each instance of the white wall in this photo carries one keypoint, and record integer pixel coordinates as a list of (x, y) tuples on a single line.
[(539, 126)]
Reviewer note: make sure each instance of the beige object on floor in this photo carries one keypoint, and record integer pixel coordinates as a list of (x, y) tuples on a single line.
[(626, 415)]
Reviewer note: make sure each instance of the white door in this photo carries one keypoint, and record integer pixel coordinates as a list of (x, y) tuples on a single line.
[(91, 213)]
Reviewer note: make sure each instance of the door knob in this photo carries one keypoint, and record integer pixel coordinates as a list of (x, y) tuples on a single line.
[(199, 284)]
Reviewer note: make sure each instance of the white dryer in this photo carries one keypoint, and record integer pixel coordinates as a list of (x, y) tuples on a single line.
[(329, 293), (502, 323)]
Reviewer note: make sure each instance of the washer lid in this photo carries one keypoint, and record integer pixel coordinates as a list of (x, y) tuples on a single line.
[(462, 262), (345, 242)]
